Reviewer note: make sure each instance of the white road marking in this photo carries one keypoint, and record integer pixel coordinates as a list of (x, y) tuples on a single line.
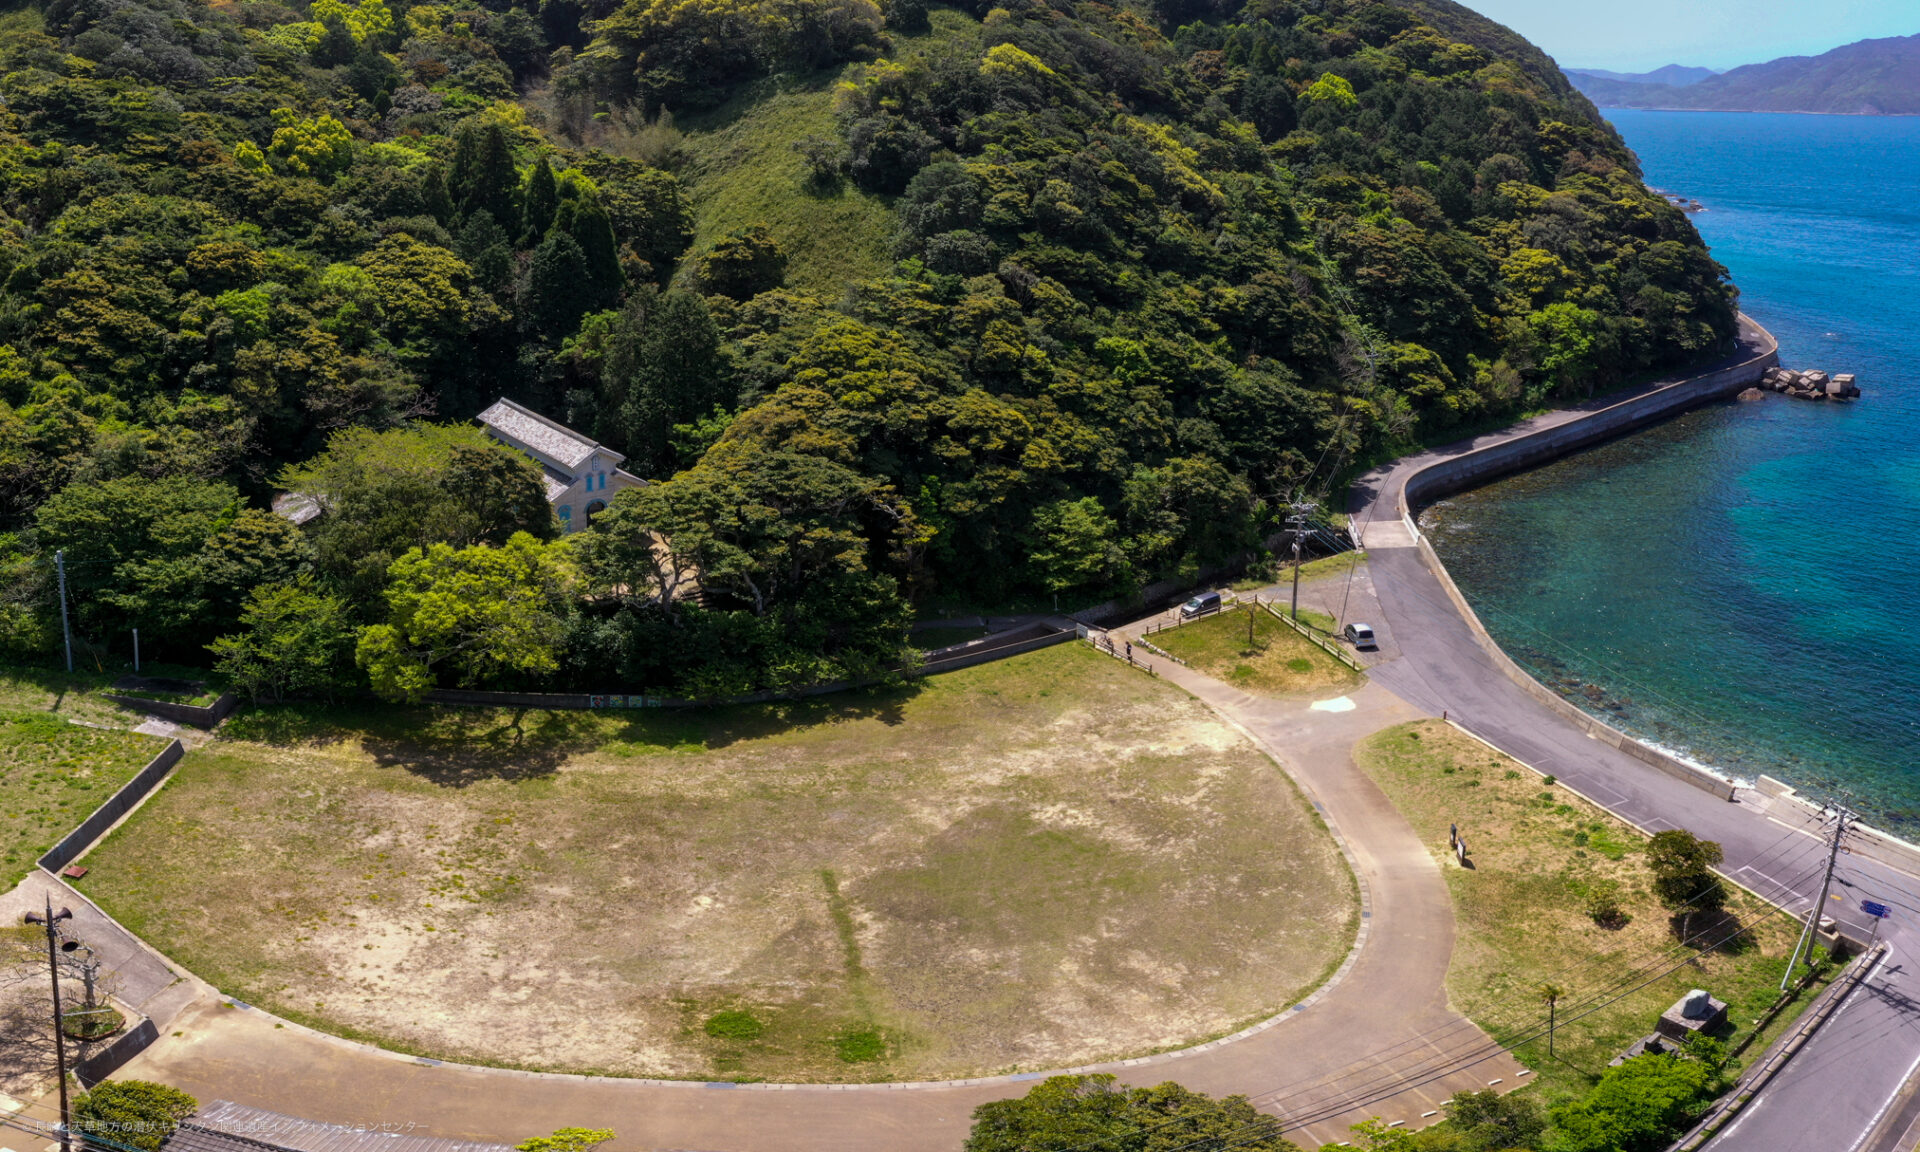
[(1908, 1075)]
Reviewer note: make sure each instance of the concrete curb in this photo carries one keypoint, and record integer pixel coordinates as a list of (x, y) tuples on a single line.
[(1782, 1051)]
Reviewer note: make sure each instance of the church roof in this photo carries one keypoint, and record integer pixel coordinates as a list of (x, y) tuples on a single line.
[(557, 442)]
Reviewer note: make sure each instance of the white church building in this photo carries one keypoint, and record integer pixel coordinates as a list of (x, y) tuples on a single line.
[(582, 476)]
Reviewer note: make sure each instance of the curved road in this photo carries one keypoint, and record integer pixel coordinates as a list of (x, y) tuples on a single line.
[(1379, 1040), (1386, 1012), (1842, 1084)]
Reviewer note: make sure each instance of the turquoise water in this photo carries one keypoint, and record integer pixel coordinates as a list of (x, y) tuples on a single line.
[(1742, 584)]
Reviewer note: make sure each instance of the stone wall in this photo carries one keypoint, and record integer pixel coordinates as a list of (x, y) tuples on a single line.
[(199, 717)]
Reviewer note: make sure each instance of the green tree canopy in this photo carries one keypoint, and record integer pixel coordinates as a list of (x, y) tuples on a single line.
[(1639, 1106), (139, 1113), (295, 639), (383, 493), (1683, 876), (480, 612), (1093, 1111)]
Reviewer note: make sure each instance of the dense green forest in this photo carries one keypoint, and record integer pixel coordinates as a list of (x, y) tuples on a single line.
[(1049, 297)]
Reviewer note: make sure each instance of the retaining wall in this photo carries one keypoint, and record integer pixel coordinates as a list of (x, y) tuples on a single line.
[(124, 1047), (963, 656), (959, 660), (205, 717), (119, 804)]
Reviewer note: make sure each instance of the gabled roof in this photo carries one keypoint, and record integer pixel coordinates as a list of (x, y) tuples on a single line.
[(557, 442)]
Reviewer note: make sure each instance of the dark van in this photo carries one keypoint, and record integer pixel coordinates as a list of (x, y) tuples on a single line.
[(1200, 605)]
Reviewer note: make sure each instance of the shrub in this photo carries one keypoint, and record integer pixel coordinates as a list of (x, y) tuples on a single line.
[(136, 1113)]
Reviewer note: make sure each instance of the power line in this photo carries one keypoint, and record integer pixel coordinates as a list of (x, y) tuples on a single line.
[(1592, 1002)]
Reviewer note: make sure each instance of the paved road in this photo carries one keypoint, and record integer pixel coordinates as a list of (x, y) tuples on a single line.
[(1839, 1083), (1379, 1041), (1834, 1093)]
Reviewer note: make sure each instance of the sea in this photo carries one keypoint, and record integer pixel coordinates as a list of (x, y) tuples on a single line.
[(1741, 585)]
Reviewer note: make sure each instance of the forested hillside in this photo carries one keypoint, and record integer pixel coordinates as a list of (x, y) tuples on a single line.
[(1042, 297)]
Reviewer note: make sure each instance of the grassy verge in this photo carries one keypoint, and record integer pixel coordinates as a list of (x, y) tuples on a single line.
[(1279, 661), (741, 170), (1282, 576), (52, 774), (1539, 854), (1042, 861)]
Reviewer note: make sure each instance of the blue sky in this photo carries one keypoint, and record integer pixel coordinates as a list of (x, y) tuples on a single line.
[(1640, 35)]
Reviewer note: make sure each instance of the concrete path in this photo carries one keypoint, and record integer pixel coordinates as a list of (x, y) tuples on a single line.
[(1315, 1065)]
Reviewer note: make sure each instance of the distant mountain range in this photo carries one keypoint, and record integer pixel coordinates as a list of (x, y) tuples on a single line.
[(1869, 78), (1677, 75)]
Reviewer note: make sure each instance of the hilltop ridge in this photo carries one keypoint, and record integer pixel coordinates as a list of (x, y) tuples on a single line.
[(1868, 78), (983, 302)]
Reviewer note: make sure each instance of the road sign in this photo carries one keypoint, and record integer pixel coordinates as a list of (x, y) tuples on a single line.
[(1875, 909)]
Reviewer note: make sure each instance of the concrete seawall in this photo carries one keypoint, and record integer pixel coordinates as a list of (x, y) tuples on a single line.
[(1419, 484), (1471, 469)]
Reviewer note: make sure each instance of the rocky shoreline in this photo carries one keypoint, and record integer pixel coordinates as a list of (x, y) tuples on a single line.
[(1810, 384)]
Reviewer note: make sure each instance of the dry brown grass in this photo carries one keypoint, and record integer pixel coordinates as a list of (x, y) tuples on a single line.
[(1034, 863), (1538, 852)]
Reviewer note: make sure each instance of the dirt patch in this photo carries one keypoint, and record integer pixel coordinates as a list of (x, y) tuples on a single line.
[(1045, 861)]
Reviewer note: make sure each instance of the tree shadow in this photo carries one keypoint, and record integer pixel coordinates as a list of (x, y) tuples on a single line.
[(458, 747), (724, 725), (470, 747), (1717, 931)]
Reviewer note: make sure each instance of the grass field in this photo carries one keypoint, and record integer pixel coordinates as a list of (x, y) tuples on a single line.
[(1539, 853), (52, 774), (1033, 863), (1280, 661)]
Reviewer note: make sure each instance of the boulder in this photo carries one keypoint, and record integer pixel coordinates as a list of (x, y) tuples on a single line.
[(1751, 395)]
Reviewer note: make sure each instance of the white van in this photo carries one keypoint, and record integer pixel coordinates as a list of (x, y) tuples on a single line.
[(1360, 636)]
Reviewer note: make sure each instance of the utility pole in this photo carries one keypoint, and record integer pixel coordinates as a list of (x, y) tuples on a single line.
[(59, 1034), (1297, 520), (1843, 818), (60, 566), (136, 649)]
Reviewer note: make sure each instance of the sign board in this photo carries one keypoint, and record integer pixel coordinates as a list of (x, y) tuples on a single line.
[(1875, 909)]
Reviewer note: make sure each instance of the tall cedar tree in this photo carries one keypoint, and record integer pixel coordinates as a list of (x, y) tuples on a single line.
[(483, 178)]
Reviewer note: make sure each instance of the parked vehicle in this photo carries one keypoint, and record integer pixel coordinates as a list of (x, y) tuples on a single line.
[(1360, 635), (1200, 605)]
